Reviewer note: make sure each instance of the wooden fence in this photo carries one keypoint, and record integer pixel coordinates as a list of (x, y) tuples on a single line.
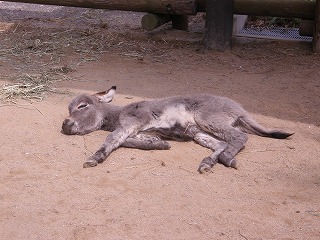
[(219, 21)]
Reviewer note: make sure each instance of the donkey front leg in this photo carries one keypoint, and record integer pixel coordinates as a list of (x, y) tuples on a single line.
[(112, 142), (146, 142)]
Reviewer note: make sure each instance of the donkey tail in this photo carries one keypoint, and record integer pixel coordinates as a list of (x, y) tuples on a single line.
[(249, 125)]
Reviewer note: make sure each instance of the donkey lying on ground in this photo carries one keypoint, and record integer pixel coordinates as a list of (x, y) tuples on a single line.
[(214, 122)]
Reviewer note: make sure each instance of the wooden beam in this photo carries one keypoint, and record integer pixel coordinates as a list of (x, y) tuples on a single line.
[(277, 8), (316, 29), (179, 7), (219, 24), (151, 21)]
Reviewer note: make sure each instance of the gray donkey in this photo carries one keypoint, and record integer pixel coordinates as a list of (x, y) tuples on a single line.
[(214, 122)]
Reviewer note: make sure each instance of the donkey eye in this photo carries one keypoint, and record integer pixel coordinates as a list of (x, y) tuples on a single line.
[(83, 105)]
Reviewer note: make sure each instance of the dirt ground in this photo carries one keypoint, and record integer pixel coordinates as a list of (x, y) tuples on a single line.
[(46, 194)]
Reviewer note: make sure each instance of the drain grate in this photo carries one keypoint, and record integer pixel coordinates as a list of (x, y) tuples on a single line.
[(275, 33)]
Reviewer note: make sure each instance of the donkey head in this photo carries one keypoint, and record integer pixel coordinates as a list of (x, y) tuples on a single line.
[(86, 112)]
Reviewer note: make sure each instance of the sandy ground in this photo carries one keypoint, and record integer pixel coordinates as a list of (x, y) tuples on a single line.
[(46, 194)]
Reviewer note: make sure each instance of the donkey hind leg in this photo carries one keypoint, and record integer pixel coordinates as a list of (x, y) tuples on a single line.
[(217, 146), (236, 141), (146, 142), (221, 127)]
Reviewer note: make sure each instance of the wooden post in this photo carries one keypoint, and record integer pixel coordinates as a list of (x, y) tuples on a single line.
[(316, 29), (219, 24), (306, 28), (151, 21), (180, 22)]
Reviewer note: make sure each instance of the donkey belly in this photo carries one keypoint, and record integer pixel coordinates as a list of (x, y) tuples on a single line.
[(172, 124), (176, 132)]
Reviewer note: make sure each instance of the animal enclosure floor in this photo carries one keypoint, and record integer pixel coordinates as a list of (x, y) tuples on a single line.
[(46, 194)]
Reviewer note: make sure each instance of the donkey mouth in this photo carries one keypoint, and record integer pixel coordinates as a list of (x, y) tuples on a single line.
[(68, 131), (69, 127)]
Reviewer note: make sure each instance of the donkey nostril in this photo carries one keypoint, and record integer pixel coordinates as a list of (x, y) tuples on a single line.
[(67, 125), (68, 122)]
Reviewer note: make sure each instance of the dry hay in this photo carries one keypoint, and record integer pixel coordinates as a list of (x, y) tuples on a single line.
[(37, 56), (31, 86)]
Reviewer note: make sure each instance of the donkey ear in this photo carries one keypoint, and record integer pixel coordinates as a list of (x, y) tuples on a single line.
[(106, 96)]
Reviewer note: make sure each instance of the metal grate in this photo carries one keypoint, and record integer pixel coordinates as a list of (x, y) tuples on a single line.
[(275, 33)]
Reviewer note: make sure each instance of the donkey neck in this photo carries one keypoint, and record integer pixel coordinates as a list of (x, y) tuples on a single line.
[(111, 115)]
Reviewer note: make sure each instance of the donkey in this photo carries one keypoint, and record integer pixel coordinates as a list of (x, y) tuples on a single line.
[(217, 123)]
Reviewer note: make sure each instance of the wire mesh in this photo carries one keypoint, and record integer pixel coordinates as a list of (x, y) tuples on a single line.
[(275, 33)]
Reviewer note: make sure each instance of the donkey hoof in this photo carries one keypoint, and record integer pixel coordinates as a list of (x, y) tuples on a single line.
[(90, 163), (227, 161), (233, 163), (166, 146), (203, 168)]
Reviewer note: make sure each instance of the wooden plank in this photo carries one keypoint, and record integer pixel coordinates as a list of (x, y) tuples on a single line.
[(219, 24), (276, 8), (179, 7), (316, 29)]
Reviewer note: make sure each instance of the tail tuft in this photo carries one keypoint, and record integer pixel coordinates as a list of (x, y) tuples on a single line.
[(280, 135), (249, 125)]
